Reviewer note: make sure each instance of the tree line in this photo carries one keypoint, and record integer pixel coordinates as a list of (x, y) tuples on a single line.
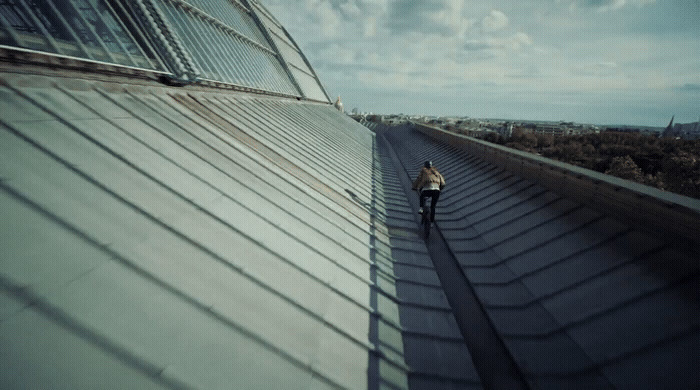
[(669, 164)]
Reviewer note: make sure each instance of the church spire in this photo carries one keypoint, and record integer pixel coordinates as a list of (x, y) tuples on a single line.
[(668, 131)]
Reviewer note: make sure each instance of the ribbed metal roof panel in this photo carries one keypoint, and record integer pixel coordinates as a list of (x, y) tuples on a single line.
[(581, 299), (140, 231)]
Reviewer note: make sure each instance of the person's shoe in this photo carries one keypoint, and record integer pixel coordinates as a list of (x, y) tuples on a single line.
[(420, 210)]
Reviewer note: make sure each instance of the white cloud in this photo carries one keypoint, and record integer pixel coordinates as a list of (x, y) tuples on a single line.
[(325, 16), (370, 27), (604, 69), (412, 49), (514, 42), (605, 5), (337, 54), (494, 21), (439, 17)]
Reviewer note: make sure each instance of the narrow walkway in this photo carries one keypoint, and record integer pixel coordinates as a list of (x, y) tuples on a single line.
[(491, 359), (579, 298), (434, 348)]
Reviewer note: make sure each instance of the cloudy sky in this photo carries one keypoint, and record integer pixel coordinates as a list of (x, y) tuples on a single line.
[(631, 62)]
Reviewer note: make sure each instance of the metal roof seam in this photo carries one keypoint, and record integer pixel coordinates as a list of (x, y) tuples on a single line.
[(153, 278), (287, 137), (224, 194), (279, 176), (515, 236), (301, 175), (555, 262), (39, 304), (209, 252), (482, 232), (563, 328), (597, 366)]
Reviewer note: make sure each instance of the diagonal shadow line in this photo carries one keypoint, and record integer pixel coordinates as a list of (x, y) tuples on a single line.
[(530, 249), (281, 134), (503, 211), (579, 283), (458, 200), (198, 177), (556, 262), (201, 247), (495, 201), (373, 370), (215, 149), (491, 358), (200, 306), (602, 313), (600, 366), (452, 382), (174, 192), (225, 125), (478, 174), (60, 317)]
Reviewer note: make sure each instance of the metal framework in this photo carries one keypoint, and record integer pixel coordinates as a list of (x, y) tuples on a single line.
[(233, 42)]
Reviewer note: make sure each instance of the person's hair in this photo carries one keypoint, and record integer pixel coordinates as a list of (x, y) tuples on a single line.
[(428, 164)]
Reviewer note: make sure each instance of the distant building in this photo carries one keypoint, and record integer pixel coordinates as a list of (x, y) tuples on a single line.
[(682, 130)]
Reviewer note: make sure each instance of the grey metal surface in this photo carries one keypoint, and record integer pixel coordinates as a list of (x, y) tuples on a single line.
[(149, 238), (581, 299), (434, 347), (230, 236)]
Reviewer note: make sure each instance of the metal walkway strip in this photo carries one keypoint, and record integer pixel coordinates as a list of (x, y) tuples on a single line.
[(493, 362)]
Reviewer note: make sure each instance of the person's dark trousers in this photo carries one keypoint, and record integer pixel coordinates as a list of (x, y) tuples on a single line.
[(435, 195)]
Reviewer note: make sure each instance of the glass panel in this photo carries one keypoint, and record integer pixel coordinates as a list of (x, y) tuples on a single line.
[(291, 55), (233, 16), (294, 58), (82, 28), (309, 85), (224, 56)]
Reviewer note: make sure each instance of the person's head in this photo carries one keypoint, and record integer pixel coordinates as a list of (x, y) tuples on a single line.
[(428, 164)]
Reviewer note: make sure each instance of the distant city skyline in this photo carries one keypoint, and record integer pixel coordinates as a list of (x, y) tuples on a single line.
[(633, 62)]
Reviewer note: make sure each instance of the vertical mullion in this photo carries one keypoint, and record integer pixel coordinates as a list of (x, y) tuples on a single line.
[(10, 30), (249, 58), (69, 29), (191, 30), (137, 30), (182, 24), (244, 58), (273, 63), (47, 36), (210, 31), (237, 57), (229, 59), (92, 31), (110, 32)]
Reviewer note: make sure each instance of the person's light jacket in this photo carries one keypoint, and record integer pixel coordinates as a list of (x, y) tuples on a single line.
[(429, 178)]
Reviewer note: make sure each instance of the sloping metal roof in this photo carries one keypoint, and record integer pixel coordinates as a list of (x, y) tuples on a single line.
[(177, 218), (203, 249), (581, 299), (182, 238)]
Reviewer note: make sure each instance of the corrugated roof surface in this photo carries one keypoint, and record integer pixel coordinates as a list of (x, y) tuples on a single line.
[(154, 236), (434, 347), (157, 238), (166, 237), (580, 299)]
